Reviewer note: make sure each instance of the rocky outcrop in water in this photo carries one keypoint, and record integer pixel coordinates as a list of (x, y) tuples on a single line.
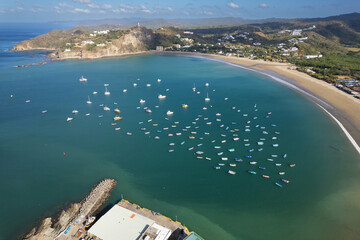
[(50, 227)]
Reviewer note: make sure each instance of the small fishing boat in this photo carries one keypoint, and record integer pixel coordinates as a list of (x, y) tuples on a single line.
[(262, 168), (253, 163), (217, 147), (148, 85), (129, 133), (182, 143), (270, 159), (116, 110), (161, 96), (278, 164), (169, 112), (260, 149), (238, 160), (157, 137), (231, 172), (117, 129), (248, 156), (199, 152), (184, 106), (217, 167), (171, 144), (274, 155), (278, 184), (142, 101), (199, 157), (148, 111), (106, 108), (265, 176), (159, 80), (285, 155), (191, 148), (206, 84), (204, 108), (247, 144), (75, 111), (236, 139), (94, 93), (281, 173), (106, 91), (44, 111), (285, 180), (292, 165), (226, 99), (69, 119), (178, 134), (191, 137), (223, 141), (117, 118), (200, 144), (135, 84), (194, 88), (88, 101), (252, 172), (260, 143), (218, 114), (171, 150), (220, 153), (89, 221), (207, 97), (224, 158), (232, 164), (83, 79), (231, 150), (106, 84), (207, 158)]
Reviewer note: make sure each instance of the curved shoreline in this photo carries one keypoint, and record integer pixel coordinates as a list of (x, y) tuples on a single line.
[(326, 106)]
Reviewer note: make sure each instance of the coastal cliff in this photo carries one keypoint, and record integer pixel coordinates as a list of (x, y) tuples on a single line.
[(66, 44), (50, 228)]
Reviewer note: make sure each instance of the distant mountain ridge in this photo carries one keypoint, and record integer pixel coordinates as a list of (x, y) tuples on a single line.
[(351, 19)]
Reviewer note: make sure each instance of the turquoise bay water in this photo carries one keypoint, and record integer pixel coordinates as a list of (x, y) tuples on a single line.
[(36, 178)]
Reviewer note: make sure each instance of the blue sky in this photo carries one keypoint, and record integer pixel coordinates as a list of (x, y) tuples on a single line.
[(53, 10)]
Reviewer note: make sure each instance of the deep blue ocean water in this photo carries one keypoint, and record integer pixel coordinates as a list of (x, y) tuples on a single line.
[(36, 179)]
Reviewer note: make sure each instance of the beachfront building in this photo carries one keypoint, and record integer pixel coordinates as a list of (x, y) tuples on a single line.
[(120, 223), (159, 48)]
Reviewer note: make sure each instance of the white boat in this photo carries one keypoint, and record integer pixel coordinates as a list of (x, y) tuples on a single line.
[(117, 129), (231, 172), (218, 114), (148, 111), (161, 96), (275, 145), (117, 118), (69, 119), (194, 88), (224, 158), (184, 106), (148, 85), (94, 93), (75, 111), (106, 91), (129, 133), (87, 114), (135, 84), (44, 111), (88, 101), (27, 101), (125, 90), (169, 112), (82, 79), (106, 85), (106, 108), (207, 97), (142, 101), (159, 80), (206, 84)]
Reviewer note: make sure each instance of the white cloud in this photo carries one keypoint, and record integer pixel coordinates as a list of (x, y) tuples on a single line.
[(100, 6), (263, 5), (102, 12), (57, 9), (81, 1), (186, 13), (35, 10), (65, 5), (232, 5), (126, 6), (81, 10), (170, 9), (145, 9), (2, 11), (208, 13)]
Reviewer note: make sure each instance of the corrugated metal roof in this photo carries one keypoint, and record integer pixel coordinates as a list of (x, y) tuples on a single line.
[(194, 236), (120, 224)]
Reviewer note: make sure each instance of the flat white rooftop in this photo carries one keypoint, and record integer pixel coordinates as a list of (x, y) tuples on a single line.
[(120, 223)]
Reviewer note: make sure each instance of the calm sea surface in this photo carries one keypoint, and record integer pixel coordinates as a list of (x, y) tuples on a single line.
[(46, 162)]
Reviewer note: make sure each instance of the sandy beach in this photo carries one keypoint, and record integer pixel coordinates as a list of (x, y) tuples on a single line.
[(337, 103)]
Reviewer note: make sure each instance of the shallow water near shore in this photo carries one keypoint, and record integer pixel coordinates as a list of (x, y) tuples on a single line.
[(36, 178)]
